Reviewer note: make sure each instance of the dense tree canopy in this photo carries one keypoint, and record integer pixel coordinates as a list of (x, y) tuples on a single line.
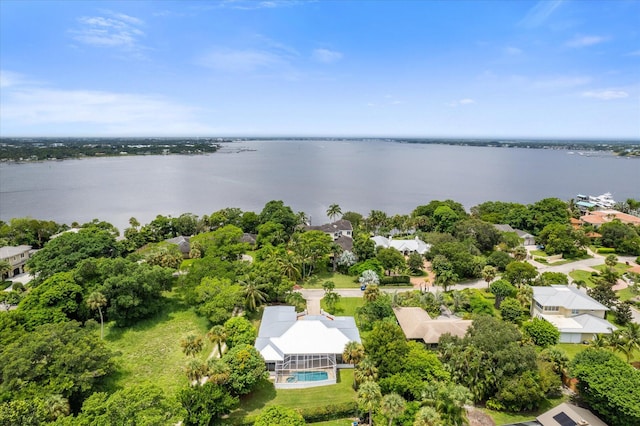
[(609, 385), (64, 252), (62, 359)]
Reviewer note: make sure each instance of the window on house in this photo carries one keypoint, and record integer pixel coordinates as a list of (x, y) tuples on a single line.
[(575, 311)]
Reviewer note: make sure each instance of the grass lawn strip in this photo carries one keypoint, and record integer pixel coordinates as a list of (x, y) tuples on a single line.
[(505, 418), (346, 306), (265, 395), (150, 351)]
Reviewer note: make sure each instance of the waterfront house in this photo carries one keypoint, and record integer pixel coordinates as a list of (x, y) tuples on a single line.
[(527, 238), (341, 231), (405, 247), (303, 350), (576, 315), (600, 217), (17, 257), (183, 245)]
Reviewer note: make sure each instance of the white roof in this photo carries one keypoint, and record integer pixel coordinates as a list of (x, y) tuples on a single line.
[(567, 297), (585, 323), (282, 332), (10, 251), (415, 244)]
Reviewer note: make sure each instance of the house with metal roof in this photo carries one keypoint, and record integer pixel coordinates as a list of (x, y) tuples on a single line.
[(575, 314), (527, 238), (403, 246), (303, 350)]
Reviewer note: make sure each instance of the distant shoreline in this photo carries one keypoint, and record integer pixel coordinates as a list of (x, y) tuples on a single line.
[(25, 150)]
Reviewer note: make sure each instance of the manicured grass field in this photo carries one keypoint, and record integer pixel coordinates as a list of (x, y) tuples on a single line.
[(584, 276), (503, 418), (626, 294), (620, 268), (340, 280), (266, 394), (347, 306), (150, 351)]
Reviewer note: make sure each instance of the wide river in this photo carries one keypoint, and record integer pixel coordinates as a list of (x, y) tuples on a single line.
[(308, 176)]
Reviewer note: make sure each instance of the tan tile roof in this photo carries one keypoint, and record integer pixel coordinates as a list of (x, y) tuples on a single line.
[(417, 324)]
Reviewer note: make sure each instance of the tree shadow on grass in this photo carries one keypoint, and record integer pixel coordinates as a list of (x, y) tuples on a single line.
[(168, 306), (256, 400)]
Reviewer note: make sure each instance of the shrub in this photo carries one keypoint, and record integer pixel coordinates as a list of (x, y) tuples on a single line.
[(542, 332), (395, 280), (606, 250), (329, 412)]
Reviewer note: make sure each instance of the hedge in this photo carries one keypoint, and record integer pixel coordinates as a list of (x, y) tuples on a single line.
[(395, 280), (606, 250)]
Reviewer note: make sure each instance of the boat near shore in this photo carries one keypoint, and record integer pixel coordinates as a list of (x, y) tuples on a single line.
[(604, 201)]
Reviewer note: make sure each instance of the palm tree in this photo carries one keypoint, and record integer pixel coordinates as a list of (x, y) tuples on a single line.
[(5, 268), (353, 353), (57, 406), (427, 416), (445, 278), (371, 293), (289, 266), (334, 211), (365, 371), (217, 335), (520, 253), (369, 396), (96, 300), (392, 406), (196, 370), (218, 371), (489, 273), (599, 341), (331, 299), (191, 345), (254, 297), (631, 339)]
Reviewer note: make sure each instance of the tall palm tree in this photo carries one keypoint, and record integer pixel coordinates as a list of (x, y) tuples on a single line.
[(191, 345), (289, 266), (369, 397), (489, 273), (218, 335), (195, 370), (334, 211), (96, 300), (331, 299), (392, 406), (254, 297), (365, 371), (630, 337)]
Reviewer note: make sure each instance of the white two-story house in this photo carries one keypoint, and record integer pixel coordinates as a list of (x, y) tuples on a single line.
[(16, 256), (576, 315)]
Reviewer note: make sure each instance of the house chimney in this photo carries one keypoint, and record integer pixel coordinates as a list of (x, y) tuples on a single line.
[(583, 422)]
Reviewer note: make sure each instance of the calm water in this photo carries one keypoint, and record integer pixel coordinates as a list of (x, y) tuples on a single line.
[(308, 176)]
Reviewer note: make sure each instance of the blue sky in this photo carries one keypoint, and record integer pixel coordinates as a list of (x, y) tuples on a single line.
[(560, 69)]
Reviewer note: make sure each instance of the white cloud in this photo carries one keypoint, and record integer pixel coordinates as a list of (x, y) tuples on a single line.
[(326, 56), (585, 41), (512, 50), (241, 60), (606, 94), (115, 30), (109, 113), (9, 79), (539, 13)]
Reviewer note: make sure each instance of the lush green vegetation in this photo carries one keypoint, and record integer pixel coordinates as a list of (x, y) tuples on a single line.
[(505, 417), (158, 328), (265, 395), (150, 350)]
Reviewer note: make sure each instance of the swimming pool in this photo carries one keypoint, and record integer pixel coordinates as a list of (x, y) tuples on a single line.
[(307, 376)]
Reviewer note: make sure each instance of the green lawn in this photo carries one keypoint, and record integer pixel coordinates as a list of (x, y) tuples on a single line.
[(340, 280), (626, 294), (266, 394), (347, 306), (539, 253), (584, 276), (504, 418), (150, 351), (620, 268)]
